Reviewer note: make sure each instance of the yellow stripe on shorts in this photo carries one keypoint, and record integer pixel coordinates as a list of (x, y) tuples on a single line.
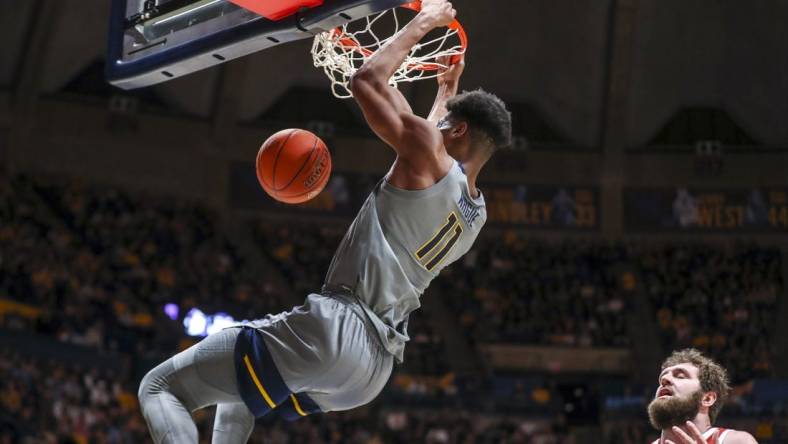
[(257, 382), (297, 406)]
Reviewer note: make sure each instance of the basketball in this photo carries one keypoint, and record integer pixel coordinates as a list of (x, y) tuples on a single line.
[(293, 165)]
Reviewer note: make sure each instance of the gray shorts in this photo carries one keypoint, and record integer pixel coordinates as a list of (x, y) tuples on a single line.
[(326, 348)]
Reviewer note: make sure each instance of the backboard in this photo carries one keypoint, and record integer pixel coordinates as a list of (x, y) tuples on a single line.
[(152, 41)]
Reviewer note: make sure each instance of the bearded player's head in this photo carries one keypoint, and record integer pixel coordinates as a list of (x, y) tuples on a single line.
[(690, 386)]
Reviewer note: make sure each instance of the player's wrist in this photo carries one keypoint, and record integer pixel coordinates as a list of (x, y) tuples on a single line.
[(448, 84), (426, 21), (447, 90)]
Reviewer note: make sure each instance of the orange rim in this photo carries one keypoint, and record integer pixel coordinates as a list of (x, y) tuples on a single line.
[(350, 43)]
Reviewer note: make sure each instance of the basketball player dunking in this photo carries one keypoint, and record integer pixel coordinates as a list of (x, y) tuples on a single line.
[(336, 351), (692, 389)]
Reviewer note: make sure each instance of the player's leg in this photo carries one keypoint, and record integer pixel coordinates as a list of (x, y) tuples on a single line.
[(297, 406), (358, 377), (326, 351), (233, 424), (200, 376), (162, 405)]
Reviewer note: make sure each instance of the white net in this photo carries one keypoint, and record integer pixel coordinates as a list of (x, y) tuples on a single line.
[(340, 52)]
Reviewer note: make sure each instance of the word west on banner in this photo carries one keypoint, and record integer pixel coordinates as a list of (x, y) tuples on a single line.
[(757, 210)]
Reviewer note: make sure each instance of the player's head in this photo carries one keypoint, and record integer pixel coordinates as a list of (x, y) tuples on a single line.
[(690, 384), (477, 125)]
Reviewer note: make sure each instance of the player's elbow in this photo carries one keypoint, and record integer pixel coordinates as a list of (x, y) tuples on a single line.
[(362, 75), (363, 82), (356, 84)]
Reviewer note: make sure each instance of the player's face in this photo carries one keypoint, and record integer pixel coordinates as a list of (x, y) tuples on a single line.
[(453, 132), (678, 397), (680, 381), (444, 123), (445, 126)]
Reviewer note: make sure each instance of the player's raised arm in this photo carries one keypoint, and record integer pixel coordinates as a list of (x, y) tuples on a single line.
[(448, 82), (384, 108)]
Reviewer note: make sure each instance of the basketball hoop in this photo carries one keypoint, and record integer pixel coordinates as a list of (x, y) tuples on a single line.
[(341, 51)]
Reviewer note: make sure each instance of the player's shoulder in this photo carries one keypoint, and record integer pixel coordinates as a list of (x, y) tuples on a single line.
[(739, 437)]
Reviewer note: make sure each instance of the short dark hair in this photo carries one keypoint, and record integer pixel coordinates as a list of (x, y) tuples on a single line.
[(712, 376), (484, 112)]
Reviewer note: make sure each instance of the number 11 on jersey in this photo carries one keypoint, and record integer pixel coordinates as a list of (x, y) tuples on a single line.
[(438, 247)]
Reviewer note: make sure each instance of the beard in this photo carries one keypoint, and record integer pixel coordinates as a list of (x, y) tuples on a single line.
[(674, 411)]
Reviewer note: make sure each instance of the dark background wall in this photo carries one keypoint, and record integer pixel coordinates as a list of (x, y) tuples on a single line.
[(609, 93)]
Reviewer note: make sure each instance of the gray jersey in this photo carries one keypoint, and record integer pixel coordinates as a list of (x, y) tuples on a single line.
[(400, 241)]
